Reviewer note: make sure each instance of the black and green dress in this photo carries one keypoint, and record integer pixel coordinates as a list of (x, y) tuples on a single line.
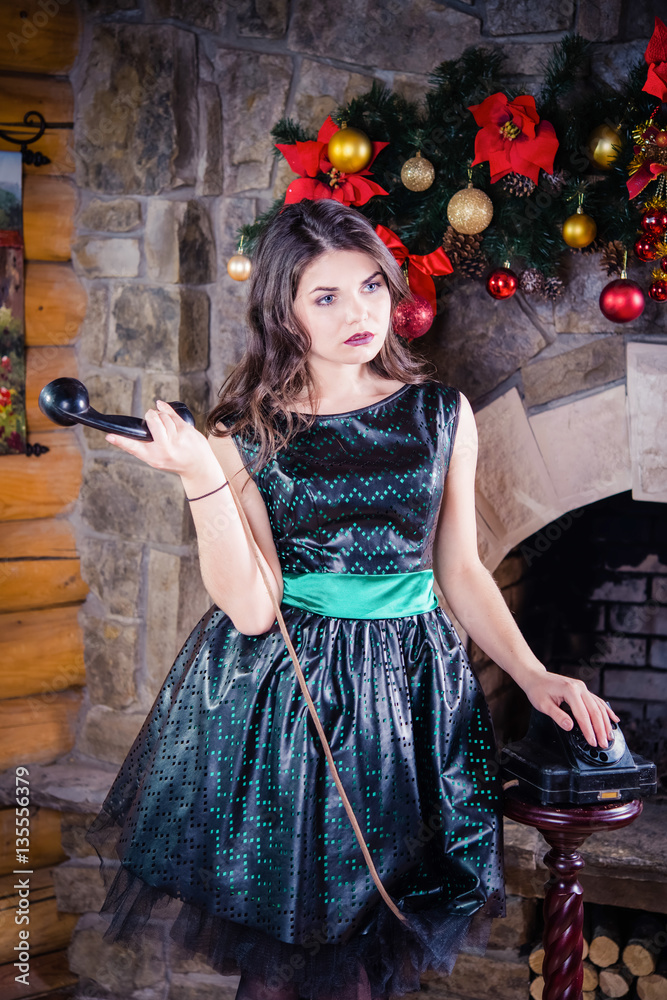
[(226, 802)]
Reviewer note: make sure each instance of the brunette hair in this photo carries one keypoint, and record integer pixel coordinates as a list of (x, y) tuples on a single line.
[(274, 370)]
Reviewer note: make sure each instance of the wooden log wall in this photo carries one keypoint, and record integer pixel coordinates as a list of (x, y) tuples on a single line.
[(40, 583)]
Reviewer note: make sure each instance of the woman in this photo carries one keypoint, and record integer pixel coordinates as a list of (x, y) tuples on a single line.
[(356, 472)]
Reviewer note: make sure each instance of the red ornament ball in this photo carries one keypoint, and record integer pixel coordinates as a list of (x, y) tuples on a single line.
[(502, 283), (660, 139), (663, 263), (645, 248), (658, 290), (622, 300), (654, 222), (413, 319)]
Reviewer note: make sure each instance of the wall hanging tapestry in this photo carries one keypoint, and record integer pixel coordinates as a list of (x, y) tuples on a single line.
[(12, 339)]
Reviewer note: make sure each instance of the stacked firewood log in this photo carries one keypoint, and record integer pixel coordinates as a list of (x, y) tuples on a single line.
[(624, 955)]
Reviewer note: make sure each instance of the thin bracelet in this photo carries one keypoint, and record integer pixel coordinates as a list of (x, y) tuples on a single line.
[(192, 499)]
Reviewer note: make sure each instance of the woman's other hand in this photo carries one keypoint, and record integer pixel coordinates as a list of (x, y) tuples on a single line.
[(547, 690), (177, 446)]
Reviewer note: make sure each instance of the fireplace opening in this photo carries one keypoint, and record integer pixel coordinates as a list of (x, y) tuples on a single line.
[(589, 592)]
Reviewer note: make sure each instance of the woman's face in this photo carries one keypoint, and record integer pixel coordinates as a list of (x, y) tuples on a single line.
[(341, 294)]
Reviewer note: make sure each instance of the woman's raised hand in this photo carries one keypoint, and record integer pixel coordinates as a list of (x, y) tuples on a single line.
[(176, 446)]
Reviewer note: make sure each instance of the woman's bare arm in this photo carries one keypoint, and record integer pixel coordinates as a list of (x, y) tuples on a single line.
[(228, 565), (478, 604)]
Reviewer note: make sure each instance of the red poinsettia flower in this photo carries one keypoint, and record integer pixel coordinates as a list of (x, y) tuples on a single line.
[(656, 57), (320, 179), (512, 137)]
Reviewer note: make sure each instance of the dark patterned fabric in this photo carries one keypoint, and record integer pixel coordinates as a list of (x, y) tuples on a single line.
[(225, 800)]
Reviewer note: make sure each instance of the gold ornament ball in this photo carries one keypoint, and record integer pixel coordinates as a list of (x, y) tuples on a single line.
[(239, 267), (600, 147), (579, 230), (418, 173), (350, 150), (470, 211)]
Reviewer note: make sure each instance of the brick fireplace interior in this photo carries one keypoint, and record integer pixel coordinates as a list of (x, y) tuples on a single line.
[(592, 602)]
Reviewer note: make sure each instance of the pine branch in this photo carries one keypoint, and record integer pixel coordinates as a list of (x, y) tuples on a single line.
[(471, 72), (251, 231), (560, 73), (526, 228), (286, 131)]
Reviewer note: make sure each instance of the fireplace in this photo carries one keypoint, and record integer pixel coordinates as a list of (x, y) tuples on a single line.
[(591, 599)]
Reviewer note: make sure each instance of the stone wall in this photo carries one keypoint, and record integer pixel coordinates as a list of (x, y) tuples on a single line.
[(174, 107), (174, 104)]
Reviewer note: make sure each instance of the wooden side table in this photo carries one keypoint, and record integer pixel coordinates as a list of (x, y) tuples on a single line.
[(565, 828)]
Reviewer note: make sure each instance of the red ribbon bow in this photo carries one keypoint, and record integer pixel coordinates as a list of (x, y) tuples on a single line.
[(646, 173), (420, 266)]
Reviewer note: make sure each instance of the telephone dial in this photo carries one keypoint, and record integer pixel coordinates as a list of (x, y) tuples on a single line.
[(552, 765), (66, 402)]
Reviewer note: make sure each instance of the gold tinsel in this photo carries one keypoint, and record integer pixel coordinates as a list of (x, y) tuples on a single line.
[(654, 203), (645, 150)]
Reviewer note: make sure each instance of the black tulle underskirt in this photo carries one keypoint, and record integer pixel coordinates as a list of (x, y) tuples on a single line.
[(386, 960)]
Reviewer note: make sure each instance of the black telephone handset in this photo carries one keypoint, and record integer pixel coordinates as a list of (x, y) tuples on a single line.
[(554, 765), (65, 401)]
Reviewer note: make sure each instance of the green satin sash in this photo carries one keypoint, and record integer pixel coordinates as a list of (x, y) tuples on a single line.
[(361, 595)]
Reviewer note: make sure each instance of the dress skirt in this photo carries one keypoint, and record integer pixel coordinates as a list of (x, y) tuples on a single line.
[(226, 803)]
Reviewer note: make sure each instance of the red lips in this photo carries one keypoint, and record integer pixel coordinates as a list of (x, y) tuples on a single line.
[(359, 336)]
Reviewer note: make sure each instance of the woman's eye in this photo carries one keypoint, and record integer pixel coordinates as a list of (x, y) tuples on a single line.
[(371, 284)]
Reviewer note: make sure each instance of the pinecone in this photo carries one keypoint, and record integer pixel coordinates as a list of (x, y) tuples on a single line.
[(553, 287), (556, 180), (531, 281), (460, 247), (613, 255), (518, 185), (464, 252), (473, 267)]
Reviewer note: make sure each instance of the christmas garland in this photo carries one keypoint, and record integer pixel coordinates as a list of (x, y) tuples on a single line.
[(579, 169)]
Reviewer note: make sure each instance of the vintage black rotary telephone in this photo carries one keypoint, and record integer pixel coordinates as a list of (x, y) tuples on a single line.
[(65, 401), (555, 766)]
